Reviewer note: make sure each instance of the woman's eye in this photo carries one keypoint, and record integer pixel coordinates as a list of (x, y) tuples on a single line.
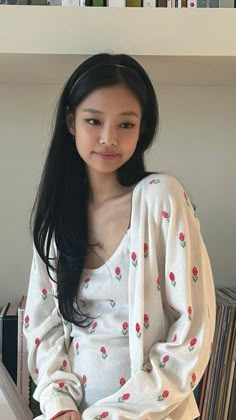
[(127, 125), (92, 121)]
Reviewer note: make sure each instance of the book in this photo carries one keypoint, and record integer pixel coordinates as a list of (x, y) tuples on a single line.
[(2, 313), (116, 3), (9, 339), (12, 405), (23, 376)]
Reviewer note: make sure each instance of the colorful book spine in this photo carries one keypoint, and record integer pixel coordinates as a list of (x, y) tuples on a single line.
[(133, 3)]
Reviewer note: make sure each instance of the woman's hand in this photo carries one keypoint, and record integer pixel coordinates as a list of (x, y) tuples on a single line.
[(71, 415)]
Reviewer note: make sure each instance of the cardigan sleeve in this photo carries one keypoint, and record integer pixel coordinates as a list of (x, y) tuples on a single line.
[(58, 389), (179, 265)]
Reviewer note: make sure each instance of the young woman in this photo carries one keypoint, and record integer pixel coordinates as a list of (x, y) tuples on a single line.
[(121, 309)]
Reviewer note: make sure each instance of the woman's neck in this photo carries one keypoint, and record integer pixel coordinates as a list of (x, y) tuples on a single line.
[(104, 187)]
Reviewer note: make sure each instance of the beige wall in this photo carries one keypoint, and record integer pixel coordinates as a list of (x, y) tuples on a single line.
[(196, 142)]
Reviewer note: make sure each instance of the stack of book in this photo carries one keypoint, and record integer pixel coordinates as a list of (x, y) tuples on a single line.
[(216, 393)]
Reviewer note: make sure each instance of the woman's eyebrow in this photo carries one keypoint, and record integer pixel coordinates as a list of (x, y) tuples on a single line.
[(126, 113)]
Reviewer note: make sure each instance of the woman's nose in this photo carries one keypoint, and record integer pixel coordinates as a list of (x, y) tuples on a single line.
[(108, 136)]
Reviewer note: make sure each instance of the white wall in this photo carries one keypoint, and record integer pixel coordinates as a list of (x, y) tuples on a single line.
[(196, 142)]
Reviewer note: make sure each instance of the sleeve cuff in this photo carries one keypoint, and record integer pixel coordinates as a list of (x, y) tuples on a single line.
[(60, 403)]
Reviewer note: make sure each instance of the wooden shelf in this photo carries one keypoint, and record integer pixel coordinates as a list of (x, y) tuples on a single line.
[(40, 44)]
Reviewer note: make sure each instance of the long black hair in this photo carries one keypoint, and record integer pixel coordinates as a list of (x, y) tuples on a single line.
[(59, 210)]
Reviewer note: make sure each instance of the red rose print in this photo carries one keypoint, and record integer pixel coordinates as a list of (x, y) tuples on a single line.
[(162, 396), (158, 284), (174, 338), (44, 294), (77, 349), (103, 415), (165, 394), (164, 361), (104, 353), (146, 321), (84, 381), (185, 195), (192, 344), (134, 259), (166, 215), (172, 279), (190, 312), (138, 333), (145, 250), (154, 181), (195, 274), (36, 371), (61, 385), (86, 282), (125, 328), (124, 397), (93, 327), (194, 378), (27, 320), (182, 241), (37, 341), (63, 366), (148, 370), (118, 275), (122, 381)]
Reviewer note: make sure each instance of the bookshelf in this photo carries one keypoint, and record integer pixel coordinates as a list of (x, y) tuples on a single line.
[(190, 56), (191, 46)]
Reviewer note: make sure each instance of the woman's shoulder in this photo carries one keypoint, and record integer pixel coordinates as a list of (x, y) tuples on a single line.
[(162, 185)]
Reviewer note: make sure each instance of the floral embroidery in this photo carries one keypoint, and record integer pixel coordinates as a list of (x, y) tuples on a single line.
[(26, 321), (192, 344), (122, 381), (104, 352), (123, 398), (86, 282), (44, 294), (146, 321), (65, 322), (194, 378), (195, 274), (172, 279), (118, 275), (112, 303), (93, 327), (145, 248), (164, 361), (158, 284), (125, 326), (36, 371), (37, 341), (154, 181), (103, 415), (174, 338), (134, 259), (83, 303), (147, 369), (182, 241), (138, 330), (77, 349), (186, 198), (63, 366), (61, 385), (166, 215), (190, 311), (84, 381), (162, 396)]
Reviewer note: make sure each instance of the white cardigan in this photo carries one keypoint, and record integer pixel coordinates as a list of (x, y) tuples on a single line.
[(171, 316)]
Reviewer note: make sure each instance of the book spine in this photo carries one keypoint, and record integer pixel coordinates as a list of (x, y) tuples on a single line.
[(192, 4), (22, 359), (133, 3), (149, 3), (9, 354)]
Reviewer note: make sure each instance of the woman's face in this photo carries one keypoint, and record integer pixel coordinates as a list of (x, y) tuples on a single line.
[(106, 128)]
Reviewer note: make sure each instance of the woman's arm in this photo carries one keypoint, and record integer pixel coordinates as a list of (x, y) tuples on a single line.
[(58, 389), (183, 278)]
